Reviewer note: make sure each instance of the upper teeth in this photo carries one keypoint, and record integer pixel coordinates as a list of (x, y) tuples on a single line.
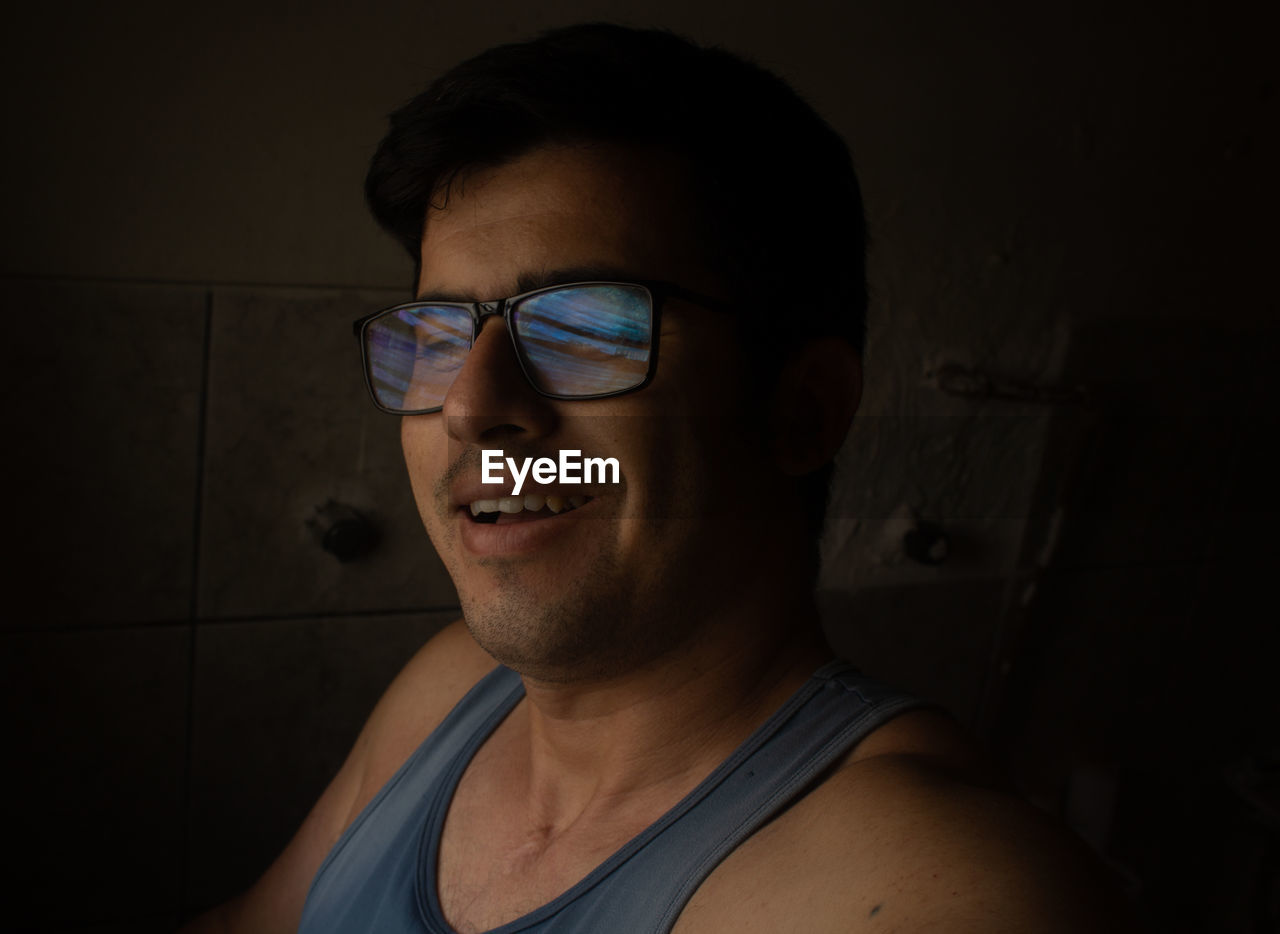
[(530, 501)]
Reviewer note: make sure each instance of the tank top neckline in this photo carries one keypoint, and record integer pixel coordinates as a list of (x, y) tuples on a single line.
[(425, 882)]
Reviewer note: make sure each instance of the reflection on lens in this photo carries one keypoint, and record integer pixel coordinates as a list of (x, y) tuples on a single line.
[(586, 340), (414, 354)]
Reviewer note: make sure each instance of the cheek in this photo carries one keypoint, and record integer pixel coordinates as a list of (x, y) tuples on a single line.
[(676, 466), (421, 458)]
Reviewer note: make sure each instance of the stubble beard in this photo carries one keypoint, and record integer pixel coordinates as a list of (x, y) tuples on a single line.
[(596, 627)]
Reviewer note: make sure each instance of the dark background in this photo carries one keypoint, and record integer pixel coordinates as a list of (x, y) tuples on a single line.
[(1072, 372)]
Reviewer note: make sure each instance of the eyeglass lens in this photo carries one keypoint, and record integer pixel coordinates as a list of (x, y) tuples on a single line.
[(575, 342)]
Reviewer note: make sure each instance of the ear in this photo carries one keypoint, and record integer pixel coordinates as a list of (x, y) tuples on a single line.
[(813, 404)]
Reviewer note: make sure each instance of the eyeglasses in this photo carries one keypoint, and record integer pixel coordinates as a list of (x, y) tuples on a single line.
[(581, 340)]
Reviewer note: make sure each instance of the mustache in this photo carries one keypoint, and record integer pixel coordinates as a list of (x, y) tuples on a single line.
[(468, 459)]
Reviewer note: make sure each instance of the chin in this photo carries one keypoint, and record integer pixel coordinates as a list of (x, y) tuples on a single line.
[(581, 636)]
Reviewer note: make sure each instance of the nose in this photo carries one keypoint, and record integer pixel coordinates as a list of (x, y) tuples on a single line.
[(490, 400)]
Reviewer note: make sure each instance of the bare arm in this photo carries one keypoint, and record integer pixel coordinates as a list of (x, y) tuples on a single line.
[(922, 851), (415, 703), (957, 857), (910, 838)]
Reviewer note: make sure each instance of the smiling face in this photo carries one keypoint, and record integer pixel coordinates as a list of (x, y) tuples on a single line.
[(590, 591)]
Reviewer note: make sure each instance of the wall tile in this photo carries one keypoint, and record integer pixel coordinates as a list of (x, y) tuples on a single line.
[(969, 466), (1103, 672), (277, 707), (290, 428), (1160, 682), (105, 381), (932, 639), (1171, 440), (97, 749), (1151, 490)]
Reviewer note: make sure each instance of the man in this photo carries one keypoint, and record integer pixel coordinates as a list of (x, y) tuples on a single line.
[(631, 248)]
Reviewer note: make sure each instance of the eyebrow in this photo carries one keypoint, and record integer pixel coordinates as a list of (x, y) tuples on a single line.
[(531, 281)]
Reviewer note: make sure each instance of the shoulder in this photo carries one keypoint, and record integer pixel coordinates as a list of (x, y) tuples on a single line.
[(424, 692), (414, 704), (911, 833), (926, 844)]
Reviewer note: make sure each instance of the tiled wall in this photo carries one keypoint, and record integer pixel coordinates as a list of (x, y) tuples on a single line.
[(186, 664)]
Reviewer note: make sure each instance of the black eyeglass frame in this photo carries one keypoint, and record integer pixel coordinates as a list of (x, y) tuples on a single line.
[(657, 291)]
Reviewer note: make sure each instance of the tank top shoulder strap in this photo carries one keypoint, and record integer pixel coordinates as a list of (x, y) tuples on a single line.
[(822, 722), (368, 880)]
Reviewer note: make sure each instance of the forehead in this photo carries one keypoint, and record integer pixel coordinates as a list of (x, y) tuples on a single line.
[(597, 206)]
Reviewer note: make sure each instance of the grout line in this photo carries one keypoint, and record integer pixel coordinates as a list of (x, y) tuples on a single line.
[(184, 858), (222, 620), (344, 614), (202, 424)]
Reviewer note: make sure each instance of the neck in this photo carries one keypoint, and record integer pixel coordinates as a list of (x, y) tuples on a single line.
[(655, 732)]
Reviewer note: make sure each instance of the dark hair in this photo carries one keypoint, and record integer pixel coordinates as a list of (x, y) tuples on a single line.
[(779, 195), (780, 203)]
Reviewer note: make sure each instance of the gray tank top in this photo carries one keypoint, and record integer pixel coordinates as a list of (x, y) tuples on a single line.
[(381, 874)]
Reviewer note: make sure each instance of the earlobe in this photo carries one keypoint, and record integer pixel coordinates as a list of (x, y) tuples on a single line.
[(813, 404)]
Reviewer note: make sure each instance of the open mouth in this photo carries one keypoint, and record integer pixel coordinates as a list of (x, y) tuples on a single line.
[(505, 510)]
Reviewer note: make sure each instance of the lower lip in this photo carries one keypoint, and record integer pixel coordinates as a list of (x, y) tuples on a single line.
[(488, 539)]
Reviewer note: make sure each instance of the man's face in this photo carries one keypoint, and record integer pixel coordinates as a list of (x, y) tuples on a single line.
[(626, 576)]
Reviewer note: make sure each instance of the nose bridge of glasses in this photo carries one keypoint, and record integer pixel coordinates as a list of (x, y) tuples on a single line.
[(485, 310), (492, 375), (481, 312)]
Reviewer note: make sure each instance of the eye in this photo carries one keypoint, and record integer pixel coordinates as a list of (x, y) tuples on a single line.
[(440, 346)]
